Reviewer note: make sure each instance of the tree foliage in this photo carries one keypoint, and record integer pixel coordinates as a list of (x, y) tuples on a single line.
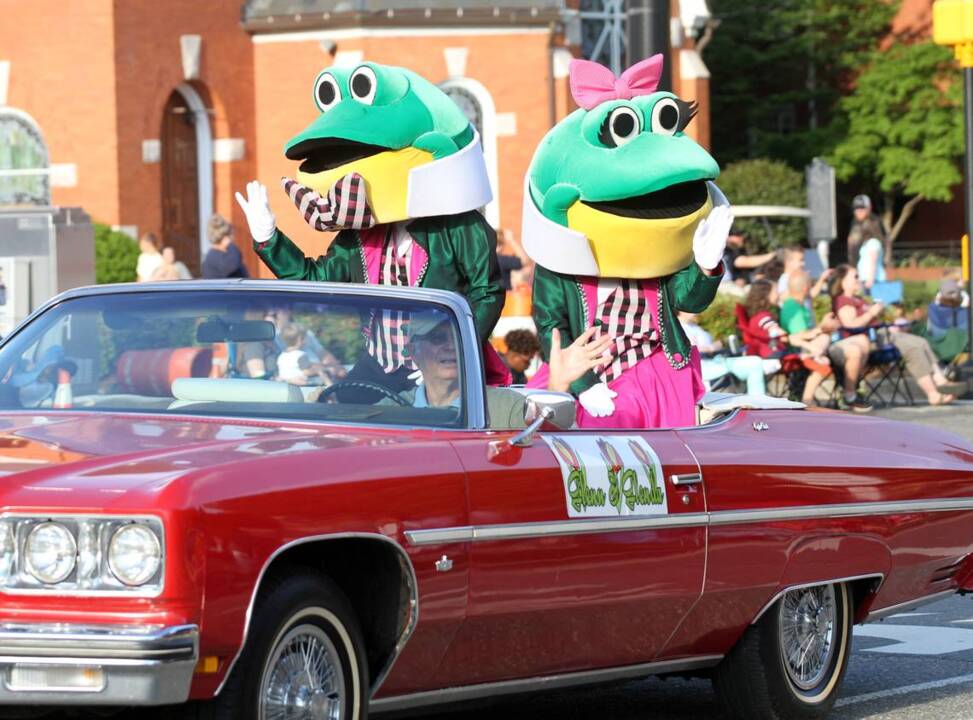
[(116, 255), (766, 182), (905, 128), (779, 68)]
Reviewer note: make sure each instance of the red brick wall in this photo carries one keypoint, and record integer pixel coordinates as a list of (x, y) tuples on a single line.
[(514, 68), (149, 67), (62, 73)]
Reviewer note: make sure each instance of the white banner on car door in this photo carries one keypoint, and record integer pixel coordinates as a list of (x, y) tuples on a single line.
[(609, 475)]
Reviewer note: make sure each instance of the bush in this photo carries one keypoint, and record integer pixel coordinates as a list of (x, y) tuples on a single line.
[(719, 319), (766, 182), (116, 255)]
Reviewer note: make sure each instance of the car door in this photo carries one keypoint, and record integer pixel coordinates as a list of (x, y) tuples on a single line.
[(587, 550)]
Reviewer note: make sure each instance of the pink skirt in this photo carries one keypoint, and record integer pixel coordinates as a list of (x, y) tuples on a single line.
[(650, 395)]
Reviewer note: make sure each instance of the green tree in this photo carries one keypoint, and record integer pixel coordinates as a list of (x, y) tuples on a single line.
[(766, 182), (779, 68), (116, 255), (905, 129)]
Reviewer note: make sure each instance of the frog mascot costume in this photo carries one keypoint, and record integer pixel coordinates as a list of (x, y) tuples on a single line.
[(627, 228), (394, 165)]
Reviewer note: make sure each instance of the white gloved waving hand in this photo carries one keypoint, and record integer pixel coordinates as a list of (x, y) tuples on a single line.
[(597, 400), (256, 207), (709, 242)]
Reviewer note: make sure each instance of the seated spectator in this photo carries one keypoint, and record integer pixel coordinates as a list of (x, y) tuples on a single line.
[(149, 257), (223, 260), (737, 264), (171, 269), (793, 264), (951, 292), (714, 363), (768, 337), (812, 341), (294, 365), (856, 316), (522, 348)]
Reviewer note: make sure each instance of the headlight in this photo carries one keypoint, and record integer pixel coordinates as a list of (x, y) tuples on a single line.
[(134, 554), (50, 552)]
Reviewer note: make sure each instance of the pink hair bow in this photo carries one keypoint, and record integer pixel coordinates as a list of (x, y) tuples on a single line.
[(593, 84)]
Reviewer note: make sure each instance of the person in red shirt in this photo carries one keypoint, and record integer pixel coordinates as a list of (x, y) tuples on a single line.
[(856, 315), (767, 336)]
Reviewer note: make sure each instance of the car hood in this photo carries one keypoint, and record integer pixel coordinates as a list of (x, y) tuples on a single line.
[(83, 460)]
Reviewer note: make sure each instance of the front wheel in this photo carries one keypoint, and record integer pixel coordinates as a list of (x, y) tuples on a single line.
[(790, 663), (305, 658)]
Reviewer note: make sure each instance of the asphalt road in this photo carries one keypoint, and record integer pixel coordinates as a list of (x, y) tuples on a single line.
[(913, 666)]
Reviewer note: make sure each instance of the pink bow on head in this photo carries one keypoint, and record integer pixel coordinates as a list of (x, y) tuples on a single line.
[(593, 84)]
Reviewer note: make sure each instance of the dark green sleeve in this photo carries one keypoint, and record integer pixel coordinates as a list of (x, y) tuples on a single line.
[(551, 302), (692, 289), (288, 262), (475, 249)]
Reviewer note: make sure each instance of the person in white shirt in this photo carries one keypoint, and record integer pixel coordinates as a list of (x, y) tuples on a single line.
[(149, 258)]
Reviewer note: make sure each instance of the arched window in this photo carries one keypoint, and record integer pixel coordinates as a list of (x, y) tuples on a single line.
[(24, 166), (477, 104)]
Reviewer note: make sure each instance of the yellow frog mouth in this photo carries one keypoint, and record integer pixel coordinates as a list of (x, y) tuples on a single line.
[(645, 236), (385, 171)]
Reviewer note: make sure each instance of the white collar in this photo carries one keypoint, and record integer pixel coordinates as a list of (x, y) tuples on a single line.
[(452, 185), (554, 246)]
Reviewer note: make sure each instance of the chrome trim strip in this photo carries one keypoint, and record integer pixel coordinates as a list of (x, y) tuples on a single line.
[(907, 605), (686, 479), (878, 576), (410, 576), (549, 682), (470, 345), (124, 644), (520, 531), (893, 507)]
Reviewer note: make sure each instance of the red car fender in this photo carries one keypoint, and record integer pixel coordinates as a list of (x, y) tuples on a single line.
[(830, 558)]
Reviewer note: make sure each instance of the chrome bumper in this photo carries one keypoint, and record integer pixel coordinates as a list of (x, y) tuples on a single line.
[(139, 665)]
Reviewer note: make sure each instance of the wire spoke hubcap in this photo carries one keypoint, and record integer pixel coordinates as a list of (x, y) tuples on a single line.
[(807, 634), (302, 679)]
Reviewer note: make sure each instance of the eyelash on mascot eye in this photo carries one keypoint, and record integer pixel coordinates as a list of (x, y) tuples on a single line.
[(687, 111)]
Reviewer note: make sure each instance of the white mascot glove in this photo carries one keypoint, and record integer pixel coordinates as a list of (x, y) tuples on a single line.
[(256, 207), (597, 400), (416, 377), (709, 242)]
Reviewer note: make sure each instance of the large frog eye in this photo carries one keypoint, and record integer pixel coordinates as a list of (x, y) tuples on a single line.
[(671, 115), (327, 92), (622, 125), (363, 85)]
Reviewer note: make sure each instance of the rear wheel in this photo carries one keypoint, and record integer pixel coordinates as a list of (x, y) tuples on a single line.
[(790, 663)]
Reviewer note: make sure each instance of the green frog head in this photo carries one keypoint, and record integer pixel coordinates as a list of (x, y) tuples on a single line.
[(617, 188), (410, 142)]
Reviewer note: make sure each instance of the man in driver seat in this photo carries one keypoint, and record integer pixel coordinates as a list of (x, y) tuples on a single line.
[(432, 342)]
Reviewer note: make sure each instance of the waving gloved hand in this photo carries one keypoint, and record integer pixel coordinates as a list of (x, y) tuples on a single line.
[(597, 400), (256, 207), (709, 242)]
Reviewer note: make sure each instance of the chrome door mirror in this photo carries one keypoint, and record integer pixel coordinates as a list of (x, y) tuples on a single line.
[(542, 408), (556, 408)]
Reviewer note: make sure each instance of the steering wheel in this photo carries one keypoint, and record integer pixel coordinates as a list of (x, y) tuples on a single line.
[(362, 385)]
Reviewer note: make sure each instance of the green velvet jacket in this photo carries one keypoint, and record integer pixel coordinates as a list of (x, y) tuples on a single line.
[(559, 302), (462, 256)]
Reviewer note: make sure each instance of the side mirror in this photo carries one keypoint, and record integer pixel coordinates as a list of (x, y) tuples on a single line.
[(542, 409), (556, 409)]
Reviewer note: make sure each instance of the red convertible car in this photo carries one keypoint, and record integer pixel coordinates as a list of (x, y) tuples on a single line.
[(222, 496)]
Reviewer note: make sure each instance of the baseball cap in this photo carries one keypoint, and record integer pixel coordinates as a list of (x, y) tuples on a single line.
[(861, 201), (424, 322)]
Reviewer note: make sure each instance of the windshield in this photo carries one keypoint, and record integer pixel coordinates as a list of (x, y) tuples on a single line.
[(298, 356)]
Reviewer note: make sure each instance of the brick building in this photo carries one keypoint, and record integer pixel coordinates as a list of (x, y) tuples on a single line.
[(150, 115)]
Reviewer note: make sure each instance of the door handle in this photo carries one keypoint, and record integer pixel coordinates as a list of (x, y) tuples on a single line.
[(686, 479)]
